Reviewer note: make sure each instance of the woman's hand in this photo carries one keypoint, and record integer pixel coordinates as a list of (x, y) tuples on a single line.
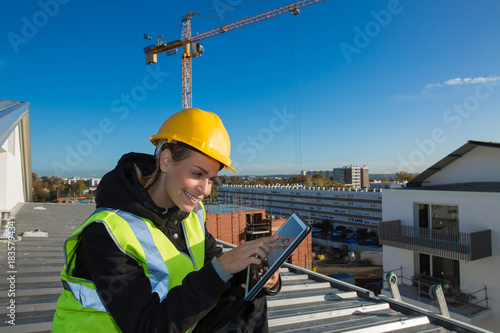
[(273, 280), (250, 252)]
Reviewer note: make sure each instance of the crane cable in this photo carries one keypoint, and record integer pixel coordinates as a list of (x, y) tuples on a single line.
[(177, 26), (296, 94)]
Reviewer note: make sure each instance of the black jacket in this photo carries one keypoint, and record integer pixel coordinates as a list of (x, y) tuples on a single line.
[(121, 283)]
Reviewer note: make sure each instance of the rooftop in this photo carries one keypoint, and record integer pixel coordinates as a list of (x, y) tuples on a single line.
[(11, 113), (462, 187), (308, 301), (450, 158)]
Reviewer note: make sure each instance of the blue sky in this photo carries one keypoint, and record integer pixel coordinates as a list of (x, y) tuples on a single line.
[(393, 85)]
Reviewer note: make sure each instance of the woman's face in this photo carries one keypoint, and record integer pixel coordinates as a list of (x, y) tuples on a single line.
[(188, 181)]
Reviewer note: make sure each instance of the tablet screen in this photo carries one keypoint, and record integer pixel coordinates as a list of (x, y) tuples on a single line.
[(291, 234)]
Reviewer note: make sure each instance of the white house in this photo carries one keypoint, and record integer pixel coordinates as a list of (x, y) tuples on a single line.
[(441, 229), (15, 154)]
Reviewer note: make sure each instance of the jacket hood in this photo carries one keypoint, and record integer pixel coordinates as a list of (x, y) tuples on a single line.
[(121, 189)]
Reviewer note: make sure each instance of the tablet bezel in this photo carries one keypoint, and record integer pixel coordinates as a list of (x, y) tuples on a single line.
[(306, 228)]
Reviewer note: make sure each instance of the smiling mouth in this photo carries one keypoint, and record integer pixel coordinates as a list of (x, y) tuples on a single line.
[(192, 198)]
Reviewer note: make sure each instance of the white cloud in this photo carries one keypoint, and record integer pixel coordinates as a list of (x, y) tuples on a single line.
[(460, 81), (453, 82)]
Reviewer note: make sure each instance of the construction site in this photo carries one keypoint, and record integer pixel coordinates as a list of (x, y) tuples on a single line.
[(329, 283)]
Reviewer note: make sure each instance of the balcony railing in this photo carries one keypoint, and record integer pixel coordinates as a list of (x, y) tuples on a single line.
[(442, 243)]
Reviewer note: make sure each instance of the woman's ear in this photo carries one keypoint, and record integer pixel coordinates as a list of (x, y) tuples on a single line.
[(165, 159)]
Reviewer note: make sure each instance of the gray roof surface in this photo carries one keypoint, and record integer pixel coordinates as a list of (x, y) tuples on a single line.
[(450, 158), (462, 187), (306, 303), (11, 113)]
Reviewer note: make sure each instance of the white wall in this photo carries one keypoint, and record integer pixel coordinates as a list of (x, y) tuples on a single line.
[(467, 168), (476, 212), (396, 258), (11, 181)]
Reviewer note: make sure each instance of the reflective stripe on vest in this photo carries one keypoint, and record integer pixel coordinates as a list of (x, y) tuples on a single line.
[(200, 213), (86, 296), (157, 268)]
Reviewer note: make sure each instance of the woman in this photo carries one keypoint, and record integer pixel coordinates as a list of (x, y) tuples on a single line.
[(144, 261)]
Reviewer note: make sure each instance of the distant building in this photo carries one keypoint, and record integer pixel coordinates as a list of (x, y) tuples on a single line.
[(326, 174), (350, 208), (357, 177), (377, 184), (15, 154), (236, 224), (92, 182), (441, 229), (71, 180)]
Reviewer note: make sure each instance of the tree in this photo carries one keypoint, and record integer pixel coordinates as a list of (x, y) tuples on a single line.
[(223, 179), (79, 187), (235, 180), (39, 193), (300, 179), (47, 189), (318, 179), (403, 175), (318, 176)]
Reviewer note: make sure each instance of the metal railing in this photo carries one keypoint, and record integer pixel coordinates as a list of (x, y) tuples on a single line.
[(473, 302), (478, 300), (440, 242)]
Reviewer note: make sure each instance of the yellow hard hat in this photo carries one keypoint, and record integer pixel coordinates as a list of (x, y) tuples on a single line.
[(199, 129)]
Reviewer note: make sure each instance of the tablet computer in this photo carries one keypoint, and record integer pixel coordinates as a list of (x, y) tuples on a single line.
[(291, 233)]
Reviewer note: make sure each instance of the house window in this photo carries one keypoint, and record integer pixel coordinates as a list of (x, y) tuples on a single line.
[(444, 269), (445, 218), (423, 216), (437, 220)]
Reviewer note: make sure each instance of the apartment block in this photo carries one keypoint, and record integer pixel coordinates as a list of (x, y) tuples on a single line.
[(350, 208), (441, 228), (357, 177)]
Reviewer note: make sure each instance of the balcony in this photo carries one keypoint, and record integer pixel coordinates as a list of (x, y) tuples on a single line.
[(442, 243)]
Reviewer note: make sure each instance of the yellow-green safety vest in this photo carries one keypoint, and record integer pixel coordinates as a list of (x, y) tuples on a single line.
[(80, 308)]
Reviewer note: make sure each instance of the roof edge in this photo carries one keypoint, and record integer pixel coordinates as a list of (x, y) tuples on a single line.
[(10, 110), (448, 159)]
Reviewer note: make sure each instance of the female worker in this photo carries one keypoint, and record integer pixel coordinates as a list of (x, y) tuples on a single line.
[(144, 261)]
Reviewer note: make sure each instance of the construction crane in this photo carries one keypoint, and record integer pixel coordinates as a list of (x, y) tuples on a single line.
[(193, 49)]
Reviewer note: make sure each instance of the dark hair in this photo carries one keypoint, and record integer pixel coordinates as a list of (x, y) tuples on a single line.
[(178, 154)]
